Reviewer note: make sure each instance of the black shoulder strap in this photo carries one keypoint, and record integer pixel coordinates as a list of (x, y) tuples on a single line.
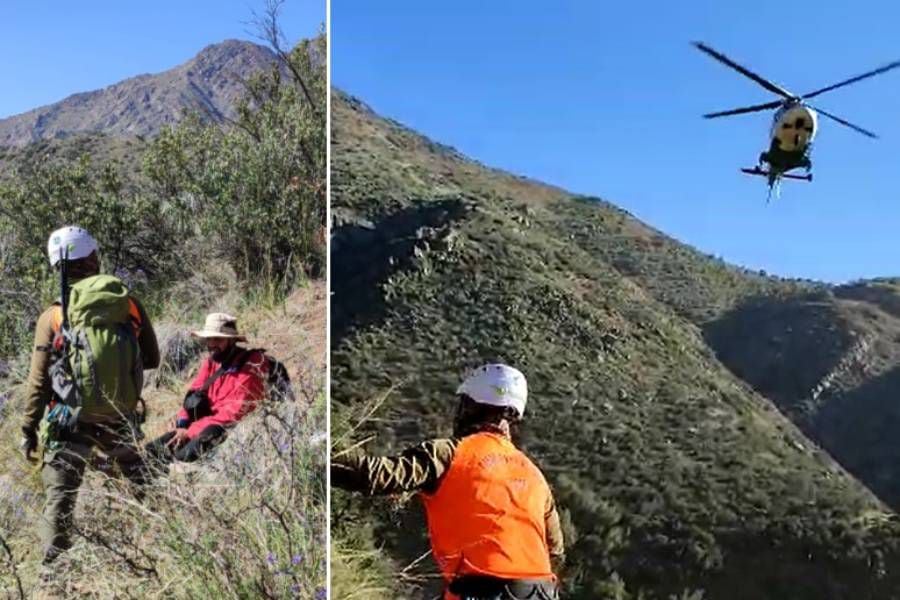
[(211, 379), (238, 361)]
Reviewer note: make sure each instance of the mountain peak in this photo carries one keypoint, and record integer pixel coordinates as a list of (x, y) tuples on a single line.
[(210, 82), (230, 48)]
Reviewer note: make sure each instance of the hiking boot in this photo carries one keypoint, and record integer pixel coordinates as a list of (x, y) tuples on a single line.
[(52, 553)]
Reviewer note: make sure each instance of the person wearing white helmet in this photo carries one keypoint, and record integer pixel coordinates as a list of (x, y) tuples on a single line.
[(66, 456), (74, 243), (492, 520)]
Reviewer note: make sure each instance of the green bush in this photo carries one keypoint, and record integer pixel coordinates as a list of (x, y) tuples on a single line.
[(256, 190), (251, 194), (137, 239)]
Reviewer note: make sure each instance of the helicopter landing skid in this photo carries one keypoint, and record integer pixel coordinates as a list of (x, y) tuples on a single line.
[(758, 171)]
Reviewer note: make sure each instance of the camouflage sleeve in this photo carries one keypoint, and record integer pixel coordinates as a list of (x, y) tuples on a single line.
[(418, 468), (38, 391), (147, 339), (555, 542)]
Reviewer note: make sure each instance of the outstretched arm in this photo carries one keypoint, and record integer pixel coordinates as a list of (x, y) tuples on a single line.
[(418, 468)]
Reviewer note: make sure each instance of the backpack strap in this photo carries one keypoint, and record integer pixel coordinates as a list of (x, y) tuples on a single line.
[(134, 314), (83, 349), (128, 337), (278, 382), (56, 317), (211, 379), (237, 361)]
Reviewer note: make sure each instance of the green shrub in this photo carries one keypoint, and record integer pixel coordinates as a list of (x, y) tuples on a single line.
[(256, 190)]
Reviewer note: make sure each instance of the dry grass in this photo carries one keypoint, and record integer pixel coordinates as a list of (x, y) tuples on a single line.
[(249, 522)]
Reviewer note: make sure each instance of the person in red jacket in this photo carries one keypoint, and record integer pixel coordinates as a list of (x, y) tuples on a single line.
[(229, 385)]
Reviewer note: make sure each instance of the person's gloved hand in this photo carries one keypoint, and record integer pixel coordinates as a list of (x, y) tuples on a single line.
[(28, 445)]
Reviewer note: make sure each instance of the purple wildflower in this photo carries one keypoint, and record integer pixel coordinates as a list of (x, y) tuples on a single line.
[(271, 558), (321, 593), (296, 559)]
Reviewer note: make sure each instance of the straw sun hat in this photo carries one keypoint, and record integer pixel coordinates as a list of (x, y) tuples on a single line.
[(219, 325)]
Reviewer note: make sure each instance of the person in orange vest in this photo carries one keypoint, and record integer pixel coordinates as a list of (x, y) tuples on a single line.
[(492, 520)]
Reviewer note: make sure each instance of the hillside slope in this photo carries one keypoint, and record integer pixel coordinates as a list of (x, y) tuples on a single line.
[(829, 360), (210, 83), (248, 522), (673, 474)]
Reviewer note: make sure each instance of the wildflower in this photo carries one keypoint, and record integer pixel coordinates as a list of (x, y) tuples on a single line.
[(297, 559), (321, 593), (271, 558)]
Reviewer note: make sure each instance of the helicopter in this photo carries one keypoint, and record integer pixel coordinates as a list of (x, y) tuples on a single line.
[(794, 123)]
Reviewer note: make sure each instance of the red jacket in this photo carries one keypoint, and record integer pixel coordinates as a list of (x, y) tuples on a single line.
[(232, 396)]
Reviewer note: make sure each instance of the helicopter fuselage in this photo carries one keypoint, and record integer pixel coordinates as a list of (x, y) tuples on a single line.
[(793, 129), (794, 122)]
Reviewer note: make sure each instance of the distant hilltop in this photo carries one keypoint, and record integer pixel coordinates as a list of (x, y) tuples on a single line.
[(210, 82)]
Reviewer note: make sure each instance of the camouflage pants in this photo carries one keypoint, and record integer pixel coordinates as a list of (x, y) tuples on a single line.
[(63, 470)]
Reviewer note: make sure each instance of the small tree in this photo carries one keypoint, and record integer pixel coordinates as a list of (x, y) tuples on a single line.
[(257, 187), (136, 237)]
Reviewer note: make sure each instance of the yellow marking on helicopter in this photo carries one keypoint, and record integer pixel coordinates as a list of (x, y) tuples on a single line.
[(794, 123)]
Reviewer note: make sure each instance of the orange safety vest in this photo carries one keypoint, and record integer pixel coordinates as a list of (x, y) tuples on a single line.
[(487, 517)]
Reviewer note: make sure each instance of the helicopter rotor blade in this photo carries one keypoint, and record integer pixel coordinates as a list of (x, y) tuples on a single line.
[(745, 109), (865, 132), (834, 86), (744, 71)]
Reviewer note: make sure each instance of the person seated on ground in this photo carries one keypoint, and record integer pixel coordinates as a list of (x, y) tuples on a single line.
[(229, 385)]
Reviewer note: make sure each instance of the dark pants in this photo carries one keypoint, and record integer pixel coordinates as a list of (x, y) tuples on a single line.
[(159, 455), (63, 471), (491, 588)]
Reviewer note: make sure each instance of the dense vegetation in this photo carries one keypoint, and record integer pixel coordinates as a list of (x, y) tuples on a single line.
[(241, 194), (676, 479)]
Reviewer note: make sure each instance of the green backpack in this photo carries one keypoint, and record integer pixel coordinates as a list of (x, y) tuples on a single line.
[(97, 372)]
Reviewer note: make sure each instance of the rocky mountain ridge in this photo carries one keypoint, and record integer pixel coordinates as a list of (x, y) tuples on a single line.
[(210, 83)]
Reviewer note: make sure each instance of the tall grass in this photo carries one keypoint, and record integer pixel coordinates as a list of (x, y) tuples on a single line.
[(246, 522), (359, 570)]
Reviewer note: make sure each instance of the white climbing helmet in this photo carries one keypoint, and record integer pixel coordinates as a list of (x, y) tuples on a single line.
[(497, 385), (74, 240)]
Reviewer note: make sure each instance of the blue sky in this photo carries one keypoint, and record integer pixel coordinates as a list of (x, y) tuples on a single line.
[(53, 49), (605, 98)]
